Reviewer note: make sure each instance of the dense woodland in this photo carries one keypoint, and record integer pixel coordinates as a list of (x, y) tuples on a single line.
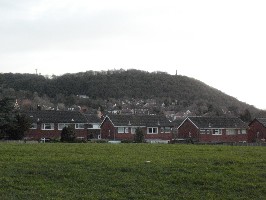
[(157, 92)]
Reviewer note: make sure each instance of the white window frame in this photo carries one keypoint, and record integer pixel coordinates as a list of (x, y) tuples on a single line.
[(133, 130), (120, 130), (167, 129), (63, 125), (126, 130), (244, 131), (217, 131), (33, 126), (44, 126), (80, 126), (154, 130), (231, 131)]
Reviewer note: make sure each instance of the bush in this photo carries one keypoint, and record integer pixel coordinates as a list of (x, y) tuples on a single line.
[(139, 136), (68, 134), (80, 140), (127, 141), (98, 141)]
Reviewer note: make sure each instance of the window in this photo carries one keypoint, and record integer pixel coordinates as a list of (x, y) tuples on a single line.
[(120, 130), (62, 125), (152, 130), (48, 126), (126, 129), (80, 126), (242, 131), (96, 126), (217, 132), (231, 131), (133, 130), (93, 126), (90, 126), (33, 126), (167, 130), (162, 129), (202, 131)]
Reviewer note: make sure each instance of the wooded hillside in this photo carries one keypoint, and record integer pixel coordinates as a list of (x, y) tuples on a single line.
[(170, 92)]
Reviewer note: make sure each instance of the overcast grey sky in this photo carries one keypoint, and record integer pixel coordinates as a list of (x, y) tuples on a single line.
[(222, 43)]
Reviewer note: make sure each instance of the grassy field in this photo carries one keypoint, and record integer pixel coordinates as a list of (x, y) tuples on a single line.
[(131, 171)]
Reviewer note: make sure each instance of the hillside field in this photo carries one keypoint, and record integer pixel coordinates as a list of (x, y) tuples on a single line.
[(131, 171)]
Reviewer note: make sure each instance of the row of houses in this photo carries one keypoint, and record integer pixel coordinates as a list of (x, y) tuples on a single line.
[(156, 128)]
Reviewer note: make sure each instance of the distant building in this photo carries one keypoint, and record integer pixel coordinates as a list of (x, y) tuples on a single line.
[(83, 96)]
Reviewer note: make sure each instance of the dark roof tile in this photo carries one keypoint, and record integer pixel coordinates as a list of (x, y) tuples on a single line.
[(139, 120), (218, 122), (53, 116), (93, 118)]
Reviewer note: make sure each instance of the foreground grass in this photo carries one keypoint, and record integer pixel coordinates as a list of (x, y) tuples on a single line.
[(108, 171)]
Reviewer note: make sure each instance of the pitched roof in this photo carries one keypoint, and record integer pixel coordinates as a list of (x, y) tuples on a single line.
[(218, 122), (93, 118), (139, 120), (262, 121), (178, 121), (53, 116)]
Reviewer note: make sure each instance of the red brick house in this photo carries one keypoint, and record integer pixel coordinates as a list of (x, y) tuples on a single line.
[(257, 130), (49, 124), (213, 129), (123, 127)]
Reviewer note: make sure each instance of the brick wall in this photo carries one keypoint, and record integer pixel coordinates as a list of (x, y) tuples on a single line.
[(38, 133), (256, 132), (188, 130)]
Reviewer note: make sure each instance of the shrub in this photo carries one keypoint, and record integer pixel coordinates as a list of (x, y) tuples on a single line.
[(68, 134), (127, 141), (139, 136)]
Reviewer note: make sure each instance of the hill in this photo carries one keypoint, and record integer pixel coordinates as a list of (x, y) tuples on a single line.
[(119, 87)]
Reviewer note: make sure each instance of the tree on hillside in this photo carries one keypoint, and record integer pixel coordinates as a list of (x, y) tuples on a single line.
[(246, 116)]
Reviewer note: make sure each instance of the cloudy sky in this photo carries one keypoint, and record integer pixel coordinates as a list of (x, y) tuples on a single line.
[(222, 43)]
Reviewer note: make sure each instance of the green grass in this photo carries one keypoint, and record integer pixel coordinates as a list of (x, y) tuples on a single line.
[(120, 171)]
